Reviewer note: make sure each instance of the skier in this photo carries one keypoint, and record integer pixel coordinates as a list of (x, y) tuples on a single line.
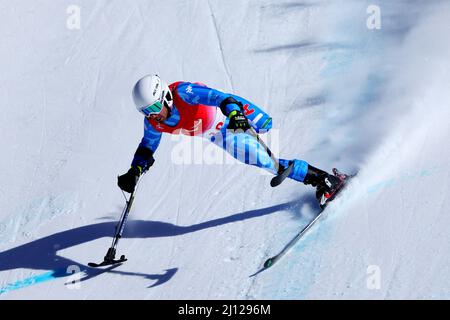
[(225, 119)]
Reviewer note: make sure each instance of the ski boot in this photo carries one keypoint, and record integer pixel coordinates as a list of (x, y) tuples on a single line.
[(327, 185)]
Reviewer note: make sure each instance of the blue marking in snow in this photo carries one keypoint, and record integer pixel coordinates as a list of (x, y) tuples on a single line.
[(40, 278)]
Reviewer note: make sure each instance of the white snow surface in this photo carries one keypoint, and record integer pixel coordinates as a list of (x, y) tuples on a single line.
[(340, 94)]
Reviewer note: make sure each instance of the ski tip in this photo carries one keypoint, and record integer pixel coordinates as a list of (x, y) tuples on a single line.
[(268, 263)]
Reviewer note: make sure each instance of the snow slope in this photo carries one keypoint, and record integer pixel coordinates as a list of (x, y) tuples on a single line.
[(340, 95)]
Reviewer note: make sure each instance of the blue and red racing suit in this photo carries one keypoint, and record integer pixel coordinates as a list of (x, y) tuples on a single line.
[(196, 112)]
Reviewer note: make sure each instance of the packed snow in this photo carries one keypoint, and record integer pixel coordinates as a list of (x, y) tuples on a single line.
[(343, 92)]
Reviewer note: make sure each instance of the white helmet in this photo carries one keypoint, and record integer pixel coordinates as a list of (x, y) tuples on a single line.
[(150, 94)]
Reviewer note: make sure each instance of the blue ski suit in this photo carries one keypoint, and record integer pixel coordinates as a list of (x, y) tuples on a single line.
[(242, 146)]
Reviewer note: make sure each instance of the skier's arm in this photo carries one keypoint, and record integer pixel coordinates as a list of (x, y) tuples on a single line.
[(142, 160), (193, 94), (232, 106), (143, 157)]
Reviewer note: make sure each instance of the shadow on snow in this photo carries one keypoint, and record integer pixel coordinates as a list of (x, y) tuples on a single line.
[(42, 254)]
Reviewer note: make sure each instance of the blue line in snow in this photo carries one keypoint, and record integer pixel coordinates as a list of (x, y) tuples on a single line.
[(44, 277)]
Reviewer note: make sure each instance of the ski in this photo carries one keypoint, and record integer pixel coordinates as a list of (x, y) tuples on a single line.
[(109, 259), (345, 179), (271, 261), (107, 262)]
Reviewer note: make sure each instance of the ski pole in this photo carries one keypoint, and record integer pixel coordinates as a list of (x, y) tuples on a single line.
[(283, 173), (121, 226), (111, 253)]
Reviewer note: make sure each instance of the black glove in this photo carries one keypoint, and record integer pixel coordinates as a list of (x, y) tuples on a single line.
[(237, 121), (127, 182), (237, 118)]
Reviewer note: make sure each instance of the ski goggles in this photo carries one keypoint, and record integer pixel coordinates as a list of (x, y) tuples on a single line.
[(156, 107), (152, 109)]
